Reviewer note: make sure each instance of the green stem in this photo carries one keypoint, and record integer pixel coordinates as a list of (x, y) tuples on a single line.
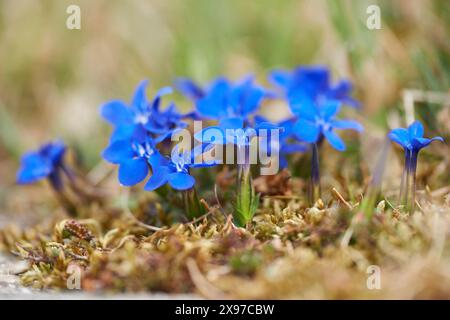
[(246, 200), (192, 205), (314, 189)]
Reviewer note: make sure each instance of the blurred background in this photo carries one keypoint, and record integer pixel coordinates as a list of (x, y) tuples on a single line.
[(53, 80)]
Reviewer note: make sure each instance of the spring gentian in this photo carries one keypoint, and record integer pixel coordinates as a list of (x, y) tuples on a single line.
[(46, 162), (312, 84), (232, 131), (141, 117), (412, 141), (133, 155), (224, 99), (314, 123), (176, 171)]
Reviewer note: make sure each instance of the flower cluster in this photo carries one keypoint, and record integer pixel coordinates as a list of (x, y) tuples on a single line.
[(141, 142), (139, 129)]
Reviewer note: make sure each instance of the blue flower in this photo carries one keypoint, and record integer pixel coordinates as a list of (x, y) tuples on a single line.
[(315, 123), (141, 118), (287, 143), (46, 162), (223, 99), (133, 157), (411, 138), (312, 84), (176, 170)]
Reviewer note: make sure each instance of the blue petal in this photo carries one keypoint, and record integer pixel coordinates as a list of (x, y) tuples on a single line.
[(306, 131), (161, 92), (335, 141), (419, 143), (139, 101), (250, 97), (231, 123), (157, 160), (330, 109), (415, 130), (181, 181), (33, 168), (189, 88), (132, 171), (158, 178), (304, 108), (400, 136), (215, 102), (122, 132), (117, 113), (119, 151), (347, 124), (280, 78)]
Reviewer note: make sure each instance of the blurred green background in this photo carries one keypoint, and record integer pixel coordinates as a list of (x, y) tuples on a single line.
[(52, 80)]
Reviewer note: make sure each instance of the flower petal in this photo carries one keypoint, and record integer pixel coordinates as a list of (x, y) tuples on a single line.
[(347, 124), (306, 131), (118, 151), (117, 113), (189, 88), (280, 78), (400, 136), (157, 179), (139, 101), (181, 181), (304, 108), (335, 141), (33, 168), (132, 171), (415, 130), (214, 103), (231, 123), (330, 109), (419, 143)]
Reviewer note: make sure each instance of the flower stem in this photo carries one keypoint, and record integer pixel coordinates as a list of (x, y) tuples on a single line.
[(314, 189), (192, 205), (246, 200), (408, 185), (404, 180), (412, 181)]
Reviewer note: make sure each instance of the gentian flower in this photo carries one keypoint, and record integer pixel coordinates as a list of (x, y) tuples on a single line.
[(176, 170), (141, 118), (133, 156), (46, 162), (411, 138), (312, 84), (232, 131), (223, 99), (412, 141), (315, 123)]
